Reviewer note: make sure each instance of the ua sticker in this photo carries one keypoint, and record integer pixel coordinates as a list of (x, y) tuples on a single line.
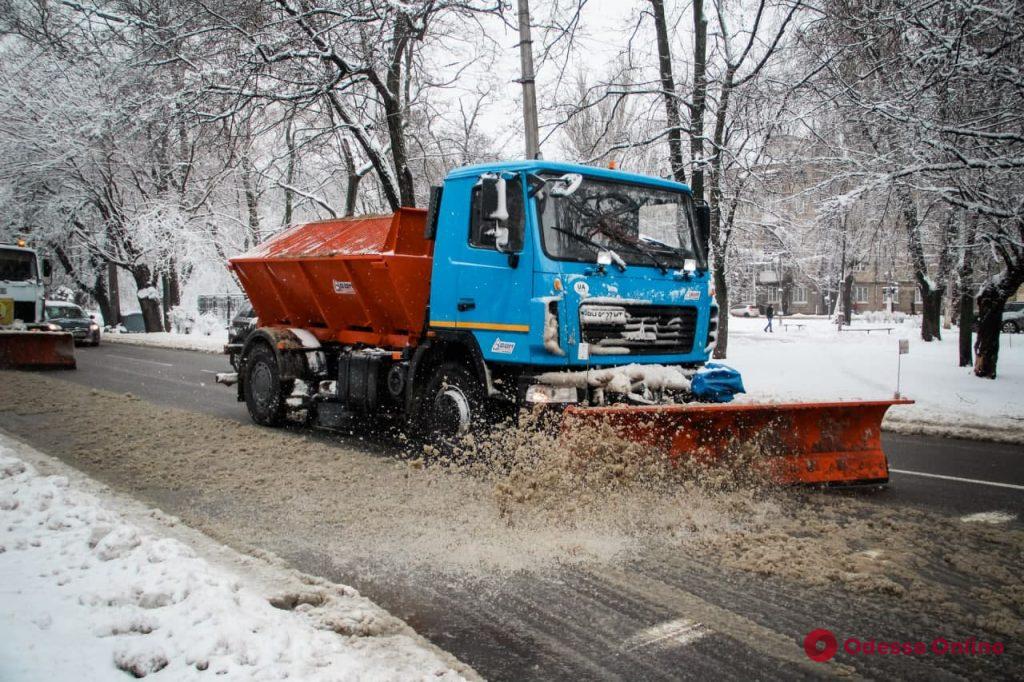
[(503, 347), (581, 288)]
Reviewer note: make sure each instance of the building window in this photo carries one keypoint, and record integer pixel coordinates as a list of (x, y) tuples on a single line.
[(799, 294), (917, 296), (860, 294), (773, 295)]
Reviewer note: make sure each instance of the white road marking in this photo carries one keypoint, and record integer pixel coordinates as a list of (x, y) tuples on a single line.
[(209, 371), (989, 517), (672, 633), (128, 357), (1011, 486)]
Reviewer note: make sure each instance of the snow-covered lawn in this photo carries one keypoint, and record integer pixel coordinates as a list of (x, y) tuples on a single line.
[(214, 343), (93, 588), (820, 363)]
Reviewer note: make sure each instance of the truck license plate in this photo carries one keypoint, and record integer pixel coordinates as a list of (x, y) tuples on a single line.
[(594, 315)]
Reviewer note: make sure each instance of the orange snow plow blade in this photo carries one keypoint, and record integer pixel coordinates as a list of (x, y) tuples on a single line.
[(36, 350), (817, 443)]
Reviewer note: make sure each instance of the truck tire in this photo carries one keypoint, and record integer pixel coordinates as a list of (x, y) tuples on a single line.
[(452, 404), (265, 394)]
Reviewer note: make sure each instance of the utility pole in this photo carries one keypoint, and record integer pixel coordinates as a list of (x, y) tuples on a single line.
[(529, 90)]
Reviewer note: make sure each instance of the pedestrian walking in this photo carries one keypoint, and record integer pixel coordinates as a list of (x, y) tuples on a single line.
[(770, 314)]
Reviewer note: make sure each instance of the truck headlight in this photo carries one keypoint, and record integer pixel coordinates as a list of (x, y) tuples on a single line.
[(53, 327), (543, 393), (94, 327)]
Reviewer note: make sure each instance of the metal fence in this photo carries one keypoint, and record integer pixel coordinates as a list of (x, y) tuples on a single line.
[(224, 306)]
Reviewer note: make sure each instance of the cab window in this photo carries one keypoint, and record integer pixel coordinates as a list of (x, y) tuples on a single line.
[(481, 230)]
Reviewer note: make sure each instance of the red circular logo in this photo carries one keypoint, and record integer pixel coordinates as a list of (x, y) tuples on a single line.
[(820, 645)]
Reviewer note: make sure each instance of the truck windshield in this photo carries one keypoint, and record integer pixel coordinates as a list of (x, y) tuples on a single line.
[(17, 266), (644, 225)]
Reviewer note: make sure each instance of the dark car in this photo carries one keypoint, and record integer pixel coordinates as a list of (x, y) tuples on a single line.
[(1013, 317), (241, 326), (71, 318)]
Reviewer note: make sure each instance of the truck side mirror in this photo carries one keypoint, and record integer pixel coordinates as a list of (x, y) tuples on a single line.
[(493, 200), (703, 214), (501, 238), (47, 267)]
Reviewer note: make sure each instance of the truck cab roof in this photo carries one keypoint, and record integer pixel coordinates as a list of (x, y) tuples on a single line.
[(15, 247), (543, 165)]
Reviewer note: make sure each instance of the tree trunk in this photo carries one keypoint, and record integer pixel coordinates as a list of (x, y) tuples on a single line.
[(722, 296), (966, 324), (931, 313), (151, 315), (114, 292), (394, 114), (289, 178), (931, 294), (251, 202), (847, 294), (668, 93), (101, 295), (965, 285), (991, 301), (172, 291), (352, 180), (990, 323)]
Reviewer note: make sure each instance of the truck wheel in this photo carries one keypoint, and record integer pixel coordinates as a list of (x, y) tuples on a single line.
[(265, 394), (452, 403)]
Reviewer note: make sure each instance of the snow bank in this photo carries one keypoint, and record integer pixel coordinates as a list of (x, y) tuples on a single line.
[(89, 594), (817, 362), (212, 343)]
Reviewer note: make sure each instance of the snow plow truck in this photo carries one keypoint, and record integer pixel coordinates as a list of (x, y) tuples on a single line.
[(27, 341), (526, 283)]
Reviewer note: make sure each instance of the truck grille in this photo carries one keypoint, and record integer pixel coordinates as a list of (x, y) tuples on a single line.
[(634, 329)]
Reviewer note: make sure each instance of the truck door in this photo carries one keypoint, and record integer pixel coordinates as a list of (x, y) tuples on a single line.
[(494, 287)]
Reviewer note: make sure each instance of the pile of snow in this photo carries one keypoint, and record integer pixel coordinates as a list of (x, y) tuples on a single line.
[(88, 594), (208, 324), (213, 342), (817, 362)]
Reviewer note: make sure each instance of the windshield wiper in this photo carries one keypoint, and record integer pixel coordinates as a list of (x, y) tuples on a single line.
[(636, 247), (616, 258)]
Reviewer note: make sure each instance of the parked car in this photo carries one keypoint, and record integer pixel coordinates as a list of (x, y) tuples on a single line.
[(71, 318), (745, 311), (1013, 317), (241, 326)]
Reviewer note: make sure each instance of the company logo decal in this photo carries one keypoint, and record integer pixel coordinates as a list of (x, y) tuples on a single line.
[(503, 347)]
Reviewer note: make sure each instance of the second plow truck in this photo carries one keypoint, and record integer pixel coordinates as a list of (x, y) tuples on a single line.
[(523, 283), (27, 340)]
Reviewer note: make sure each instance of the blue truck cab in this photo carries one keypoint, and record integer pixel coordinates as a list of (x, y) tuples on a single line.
[(552, 266)]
